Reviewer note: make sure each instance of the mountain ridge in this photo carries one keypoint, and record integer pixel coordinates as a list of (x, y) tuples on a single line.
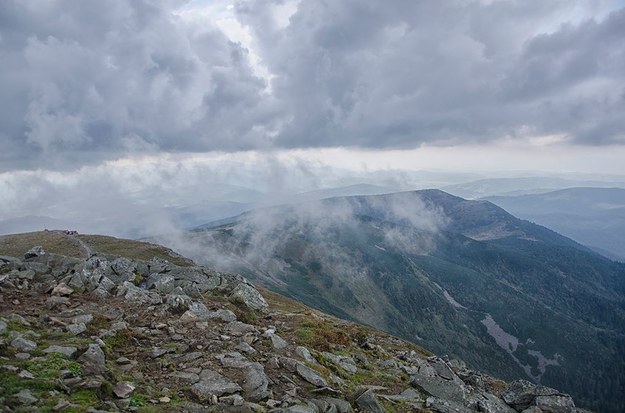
[(402, 262), (97, 331)]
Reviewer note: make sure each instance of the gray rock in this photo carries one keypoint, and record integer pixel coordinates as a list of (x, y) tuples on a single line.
[(310, 375), (555, 404), (255, 386), (249, 296), (439, 387), (26, 275), (442, 369), (22, 356), (93, 360), (239, 328), (3, 326), (367, 402), (56, 302), (305, 354), (104, 288), (164, 284), (332, 405), (38, 267), (138, 295), (62, 290), (277, 342), (67, 351), (223, 315), (34, 252), (534, 409), (77, 328), (185, 376), (301, 408), (213, 384), (488, 403), (245, 348), (346, 363), (23, 345), (25, 374), (25, 397), (123, 389), (522, 394), (18, 319), (446, 406), (177, 301)]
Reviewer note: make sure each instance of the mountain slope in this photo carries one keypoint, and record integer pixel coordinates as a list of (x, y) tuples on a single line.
[(113, 332), (461, 277), (592, 216)]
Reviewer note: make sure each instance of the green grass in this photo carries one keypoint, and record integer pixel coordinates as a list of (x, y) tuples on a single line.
[(50, 368)]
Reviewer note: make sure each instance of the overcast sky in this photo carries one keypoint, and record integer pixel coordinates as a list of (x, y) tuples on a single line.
[(361, 84)]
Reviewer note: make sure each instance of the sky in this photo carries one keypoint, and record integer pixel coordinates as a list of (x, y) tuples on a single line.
[(122, 103)]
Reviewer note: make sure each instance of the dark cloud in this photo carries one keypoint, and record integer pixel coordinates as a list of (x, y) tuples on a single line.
[(86, 81)]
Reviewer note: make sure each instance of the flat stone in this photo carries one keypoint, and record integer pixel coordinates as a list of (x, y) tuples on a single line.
[(26, 275), (25, 397), (305, 354), (332, 405), (278, 342), (22, 356), (62, 290), (77, 329), (310, 375), (213, 384), (56, 302), (123, 389), (67, 351), (123, 361), (555, 404), (346, 363), (23, 345), (439, 387), (25, 374), (446, 406), (185, 376)]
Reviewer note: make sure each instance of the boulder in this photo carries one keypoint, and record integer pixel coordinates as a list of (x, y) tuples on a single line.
[(93, 360), (34, 252), (213, 384), (522, 394), (249, 296), (367, 402), (123, 389), (346, 363), (66, 351), (23, 345)]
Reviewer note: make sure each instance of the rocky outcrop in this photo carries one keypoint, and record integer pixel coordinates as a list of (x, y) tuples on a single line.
[(113, 334)]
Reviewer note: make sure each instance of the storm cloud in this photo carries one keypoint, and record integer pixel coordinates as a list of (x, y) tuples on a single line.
[(84, 82)]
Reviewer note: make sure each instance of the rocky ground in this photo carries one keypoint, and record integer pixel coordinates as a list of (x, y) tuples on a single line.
[(101, 332)]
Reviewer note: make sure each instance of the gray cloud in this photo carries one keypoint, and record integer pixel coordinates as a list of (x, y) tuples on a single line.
[(84, 81)]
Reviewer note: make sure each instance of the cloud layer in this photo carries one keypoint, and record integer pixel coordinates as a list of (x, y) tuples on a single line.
[(82, 82)]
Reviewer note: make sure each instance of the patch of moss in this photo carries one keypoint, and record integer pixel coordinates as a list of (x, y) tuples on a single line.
[(13, 384), (51, 366), (84, 398), (123, 338)]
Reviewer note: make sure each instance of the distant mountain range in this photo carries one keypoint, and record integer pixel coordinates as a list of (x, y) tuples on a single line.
[(526, 185), (460, 277), (592, 216)]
